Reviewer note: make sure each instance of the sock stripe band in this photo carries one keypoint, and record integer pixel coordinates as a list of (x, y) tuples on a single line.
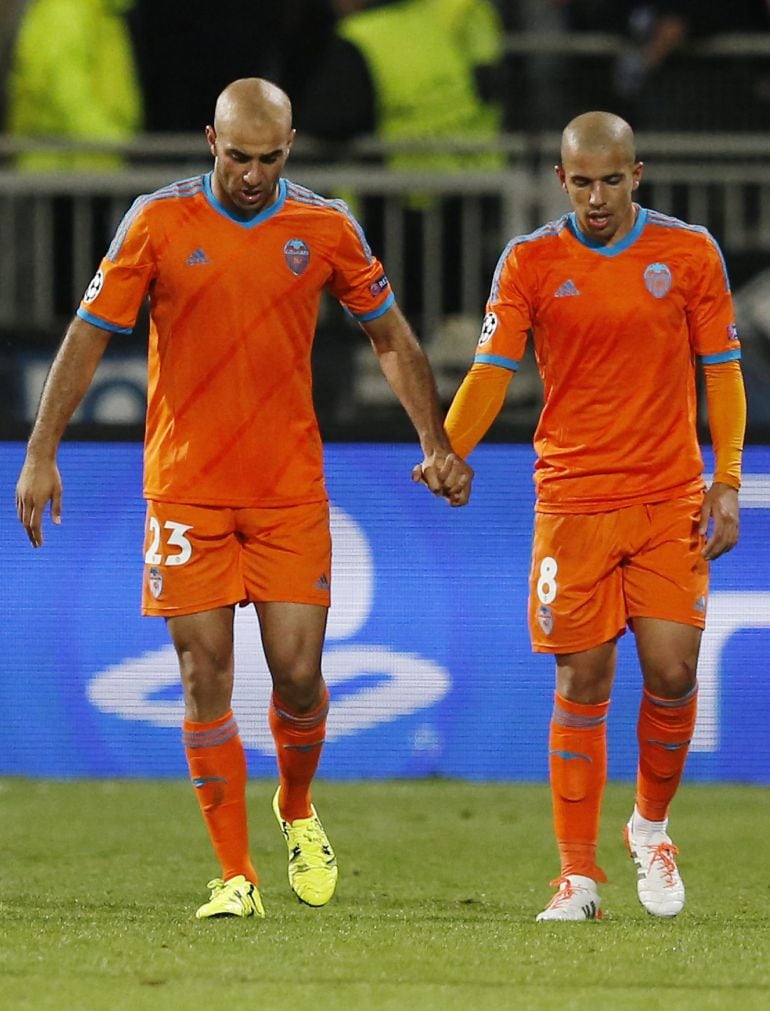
[(302, 722), (672, 703), (210, 738), (562, 718)]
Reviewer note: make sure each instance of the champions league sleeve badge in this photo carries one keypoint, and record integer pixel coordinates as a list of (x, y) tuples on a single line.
[(658, 280), (488, 327), (94, 287), (297, 256)]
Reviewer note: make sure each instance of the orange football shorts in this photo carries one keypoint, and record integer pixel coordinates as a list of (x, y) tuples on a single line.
[(200, 557), (592, 574)]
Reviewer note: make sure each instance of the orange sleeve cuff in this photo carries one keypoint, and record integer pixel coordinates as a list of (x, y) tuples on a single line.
[(727, 419), (475, 406)]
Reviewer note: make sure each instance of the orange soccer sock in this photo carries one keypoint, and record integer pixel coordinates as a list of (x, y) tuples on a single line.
[(664, 731), (299, 738), (217, 764), (578, 771)]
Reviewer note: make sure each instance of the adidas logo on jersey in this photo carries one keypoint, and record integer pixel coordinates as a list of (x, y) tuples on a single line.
[(197, 256), (565, 290)]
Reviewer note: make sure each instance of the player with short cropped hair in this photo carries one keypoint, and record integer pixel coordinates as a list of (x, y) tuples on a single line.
[(235, 263), (620, 302)]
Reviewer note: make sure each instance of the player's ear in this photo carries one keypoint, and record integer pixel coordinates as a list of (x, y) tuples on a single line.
[(636, 174), (561, 176), (211, 137)]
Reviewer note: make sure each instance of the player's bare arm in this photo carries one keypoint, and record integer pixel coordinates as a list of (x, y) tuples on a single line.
[(70, 376), (720, 509), (407, 370)]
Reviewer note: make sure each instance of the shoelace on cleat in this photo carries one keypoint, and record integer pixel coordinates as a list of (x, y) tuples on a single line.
[(564, 894), (242, 893), (664, 853)]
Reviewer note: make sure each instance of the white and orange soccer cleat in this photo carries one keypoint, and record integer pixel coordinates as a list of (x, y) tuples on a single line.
[(660, 888), (577, 899)]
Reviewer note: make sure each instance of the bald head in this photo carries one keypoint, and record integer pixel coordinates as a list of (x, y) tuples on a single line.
[(252, 100), (251, 139), (599, 174), (596, 131)]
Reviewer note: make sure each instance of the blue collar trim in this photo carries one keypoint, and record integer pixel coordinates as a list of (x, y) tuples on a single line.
[(615, 248), (268, 212)]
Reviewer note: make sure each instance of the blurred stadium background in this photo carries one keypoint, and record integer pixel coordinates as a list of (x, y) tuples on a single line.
[(428, 654)]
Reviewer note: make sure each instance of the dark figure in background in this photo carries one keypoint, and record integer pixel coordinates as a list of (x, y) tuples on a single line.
[(184, 60), (655, 82), (357, 64)]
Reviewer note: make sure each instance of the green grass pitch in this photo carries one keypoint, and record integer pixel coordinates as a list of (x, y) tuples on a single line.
[(439, 886)]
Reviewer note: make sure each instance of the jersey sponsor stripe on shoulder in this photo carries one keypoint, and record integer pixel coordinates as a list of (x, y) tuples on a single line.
[(549, 229), (303, 195), (668, 221), (181, 188)]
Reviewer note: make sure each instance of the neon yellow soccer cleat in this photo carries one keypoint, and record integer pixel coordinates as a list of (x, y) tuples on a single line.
[(312, 864), (234, 897)]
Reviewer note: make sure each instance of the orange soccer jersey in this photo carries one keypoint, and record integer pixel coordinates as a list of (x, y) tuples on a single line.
[(616, 332), (233, 309)]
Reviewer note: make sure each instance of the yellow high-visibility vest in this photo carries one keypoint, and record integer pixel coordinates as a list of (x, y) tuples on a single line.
[(73, 75), (421, 61)]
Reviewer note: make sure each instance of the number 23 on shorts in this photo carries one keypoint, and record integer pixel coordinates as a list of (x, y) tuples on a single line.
[(168, 544)]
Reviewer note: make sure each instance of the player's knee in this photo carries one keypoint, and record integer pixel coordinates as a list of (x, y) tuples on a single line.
[(207, 679), (300, 687), (587, 689), (671, 680)]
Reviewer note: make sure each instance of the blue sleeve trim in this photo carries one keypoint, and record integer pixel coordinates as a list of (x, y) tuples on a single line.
[(506, 363), (103, 324), (376, 313), (723, 356)]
